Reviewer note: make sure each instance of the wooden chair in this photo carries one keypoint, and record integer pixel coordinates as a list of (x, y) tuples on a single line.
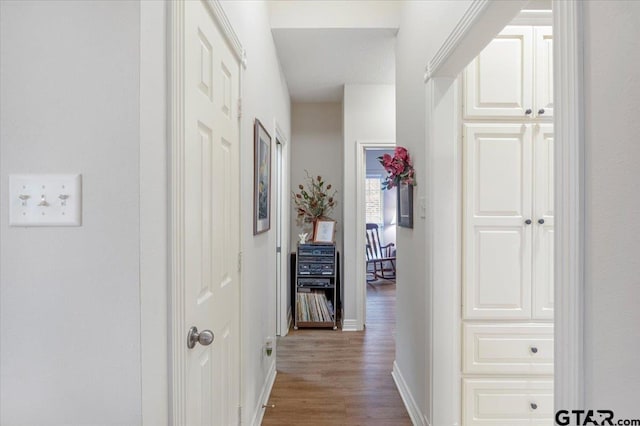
[(381, 258)]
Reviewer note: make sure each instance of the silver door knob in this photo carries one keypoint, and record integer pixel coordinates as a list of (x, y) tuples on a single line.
[(534, 406), (527, 222), (204, 337), (541, 111)]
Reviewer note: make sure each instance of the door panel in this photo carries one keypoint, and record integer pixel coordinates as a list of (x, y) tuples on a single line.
[(498, 82), (211, 226), (497, 243), (543, 45), (543, 233)]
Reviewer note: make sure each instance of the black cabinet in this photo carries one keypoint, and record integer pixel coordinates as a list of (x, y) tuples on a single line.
[(315, 286)]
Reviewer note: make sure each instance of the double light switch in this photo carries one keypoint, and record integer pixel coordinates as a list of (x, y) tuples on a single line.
[(45, 200)]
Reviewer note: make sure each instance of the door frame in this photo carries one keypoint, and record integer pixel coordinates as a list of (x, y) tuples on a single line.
[(283, 309), (361, 272), (481, 22)]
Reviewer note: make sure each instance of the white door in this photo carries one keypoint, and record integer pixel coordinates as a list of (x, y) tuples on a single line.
[(543, 222), (211, 219), (543, 46), (497, 237), (498, 81)]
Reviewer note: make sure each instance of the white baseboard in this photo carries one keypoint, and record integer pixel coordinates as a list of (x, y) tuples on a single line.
[(417, 418), (350, 325), (258, 412)]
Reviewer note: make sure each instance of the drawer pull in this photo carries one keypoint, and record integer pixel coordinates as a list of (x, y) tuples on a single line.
[(534, 350), (534, 406)]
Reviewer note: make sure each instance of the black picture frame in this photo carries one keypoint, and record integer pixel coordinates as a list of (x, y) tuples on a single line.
[(261, 179), (405, 205)]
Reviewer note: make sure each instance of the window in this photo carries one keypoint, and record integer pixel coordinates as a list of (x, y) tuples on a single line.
[(373, 200)]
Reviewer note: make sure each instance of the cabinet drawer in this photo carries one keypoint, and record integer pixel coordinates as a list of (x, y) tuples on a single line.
[(510, 402), (507, 349)]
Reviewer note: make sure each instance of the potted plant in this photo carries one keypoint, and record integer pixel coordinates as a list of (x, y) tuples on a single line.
[(313, 201)]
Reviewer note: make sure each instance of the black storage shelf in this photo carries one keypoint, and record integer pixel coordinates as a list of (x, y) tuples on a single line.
[(315, 286)]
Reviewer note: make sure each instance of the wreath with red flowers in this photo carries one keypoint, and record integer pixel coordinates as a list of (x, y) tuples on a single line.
[(399, 167)]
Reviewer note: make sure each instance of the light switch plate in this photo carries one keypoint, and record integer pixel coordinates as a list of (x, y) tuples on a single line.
[(45, 200)]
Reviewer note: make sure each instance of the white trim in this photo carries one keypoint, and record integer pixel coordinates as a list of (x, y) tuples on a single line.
[(361, 270), (265, 394), (469, 19), (215, 8), (351, 325), (176, 214), (482, 20), (282, 287), (407, 398), (154, 314), (569, 204)]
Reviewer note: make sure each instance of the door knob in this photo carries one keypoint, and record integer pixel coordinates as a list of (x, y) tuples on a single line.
[(527, 222), (541, 111), (204, 337), (540, 221), (534, 406), (528, 111), (534, 350)]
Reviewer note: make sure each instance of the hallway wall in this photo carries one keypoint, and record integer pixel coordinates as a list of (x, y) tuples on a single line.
[(69, 297), (369, 115), (316, 135), (423, 28), (612, 156)]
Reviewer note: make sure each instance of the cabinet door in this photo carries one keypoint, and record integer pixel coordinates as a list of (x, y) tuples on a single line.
[(498, 81), (497, 201), (543, 232), (543, 92)]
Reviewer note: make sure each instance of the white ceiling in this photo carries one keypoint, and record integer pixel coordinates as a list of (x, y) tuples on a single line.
[(318, 62)]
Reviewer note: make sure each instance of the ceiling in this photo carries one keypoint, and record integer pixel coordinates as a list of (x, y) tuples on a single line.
[(318, 62)]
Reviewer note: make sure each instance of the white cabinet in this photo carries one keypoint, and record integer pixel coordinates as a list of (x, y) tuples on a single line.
[(508, 221), (512, 77)]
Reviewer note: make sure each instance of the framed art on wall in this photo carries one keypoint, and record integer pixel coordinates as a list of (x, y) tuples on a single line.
[(261, 179), (405, 205)]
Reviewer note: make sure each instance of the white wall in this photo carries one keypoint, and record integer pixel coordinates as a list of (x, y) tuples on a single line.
[(423, 28), (369, 115), (316, 136), (70, 304), (612, 283), (265, 96)]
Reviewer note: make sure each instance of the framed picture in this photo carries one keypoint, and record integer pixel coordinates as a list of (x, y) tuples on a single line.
[(405, 206), (261, 179), (324, 231)]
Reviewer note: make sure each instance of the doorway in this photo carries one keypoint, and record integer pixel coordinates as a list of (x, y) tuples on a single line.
[(369, 185)]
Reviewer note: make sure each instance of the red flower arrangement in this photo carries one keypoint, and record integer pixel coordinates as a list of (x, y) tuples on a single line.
[(399, 167)]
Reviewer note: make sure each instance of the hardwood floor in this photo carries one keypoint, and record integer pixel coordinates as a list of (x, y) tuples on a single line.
[(328, 377)]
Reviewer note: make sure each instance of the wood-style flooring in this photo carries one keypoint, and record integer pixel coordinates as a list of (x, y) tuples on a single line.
[(330, 377)]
